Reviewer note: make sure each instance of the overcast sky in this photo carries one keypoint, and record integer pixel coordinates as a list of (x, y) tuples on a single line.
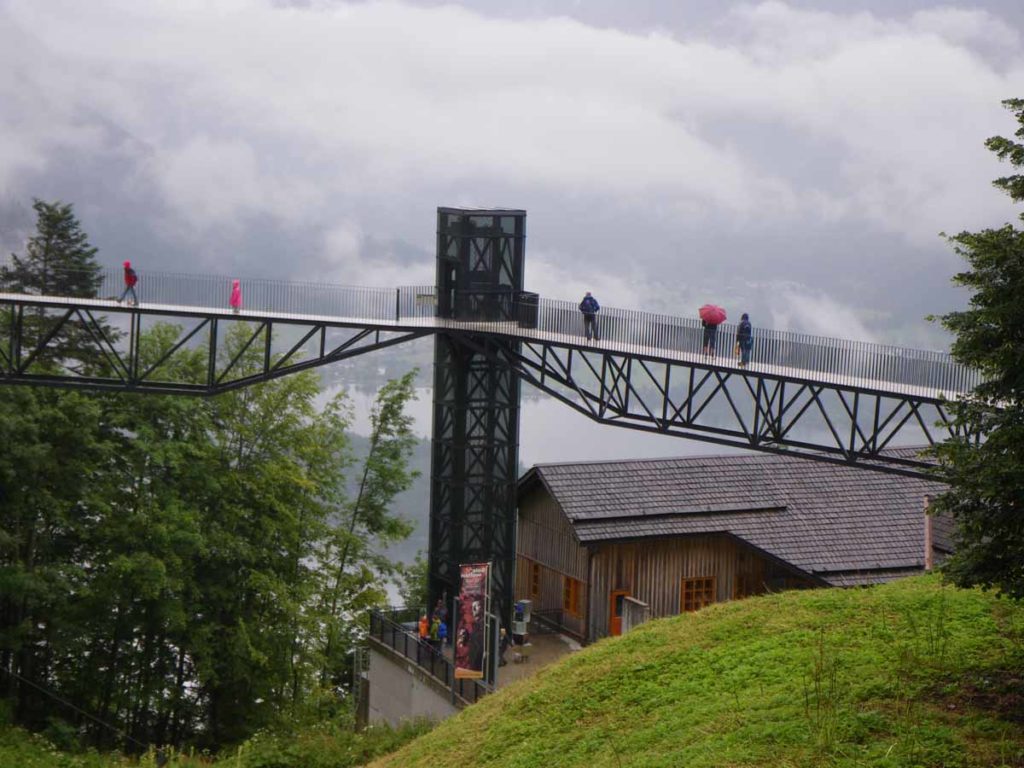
[(772, 157)]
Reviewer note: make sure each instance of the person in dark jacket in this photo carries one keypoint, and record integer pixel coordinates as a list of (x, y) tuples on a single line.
[(710, 337), (130, 279), (589, 307), (744, 339)]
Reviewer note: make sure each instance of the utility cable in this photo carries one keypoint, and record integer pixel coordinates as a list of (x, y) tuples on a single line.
[(79, 710)]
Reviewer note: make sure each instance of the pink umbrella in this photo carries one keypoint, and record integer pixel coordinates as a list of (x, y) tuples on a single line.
[(712, 314)]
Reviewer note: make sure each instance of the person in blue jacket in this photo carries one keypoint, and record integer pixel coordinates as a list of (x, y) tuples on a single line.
[(589, 307), (744, 339)]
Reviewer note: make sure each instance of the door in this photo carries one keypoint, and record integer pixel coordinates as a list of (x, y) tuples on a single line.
[(618, 601)]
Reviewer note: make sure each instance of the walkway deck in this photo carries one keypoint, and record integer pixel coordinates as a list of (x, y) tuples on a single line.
[(930, 364)]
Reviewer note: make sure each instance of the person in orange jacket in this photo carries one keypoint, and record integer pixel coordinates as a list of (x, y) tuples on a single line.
[(424, 628)]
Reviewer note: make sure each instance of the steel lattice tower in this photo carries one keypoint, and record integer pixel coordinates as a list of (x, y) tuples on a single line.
[(475, 453)]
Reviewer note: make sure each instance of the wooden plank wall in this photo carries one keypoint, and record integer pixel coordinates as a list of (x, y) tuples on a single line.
[(653, 572), (545, 537), (552, 584)]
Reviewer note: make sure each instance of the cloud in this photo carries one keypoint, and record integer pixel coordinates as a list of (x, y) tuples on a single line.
[(795, 307), (781, 143), (220, 182), (347, 258)]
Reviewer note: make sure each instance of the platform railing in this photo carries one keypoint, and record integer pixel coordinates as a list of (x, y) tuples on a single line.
[(843, 359), (395, 628), (525, 315)]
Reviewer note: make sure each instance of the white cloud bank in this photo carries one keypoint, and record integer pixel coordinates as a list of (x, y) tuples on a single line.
[(335, 119)]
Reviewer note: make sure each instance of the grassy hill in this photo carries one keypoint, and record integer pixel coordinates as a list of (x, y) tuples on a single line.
[(907, 674)]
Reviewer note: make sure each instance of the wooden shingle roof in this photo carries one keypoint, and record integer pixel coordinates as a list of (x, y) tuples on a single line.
[(842, 524)]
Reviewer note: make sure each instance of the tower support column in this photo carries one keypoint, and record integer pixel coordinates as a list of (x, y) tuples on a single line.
[(475, 448)]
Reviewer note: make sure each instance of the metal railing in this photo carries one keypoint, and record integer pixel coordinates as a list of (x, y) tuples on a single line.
[(547, 621), (642, 332), (297, 299), (525, 315), (395, 628), (634, 613)]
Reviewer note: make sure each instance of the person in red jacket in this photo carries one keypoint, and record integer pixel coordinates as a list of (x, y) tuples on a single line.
[(130, 279)]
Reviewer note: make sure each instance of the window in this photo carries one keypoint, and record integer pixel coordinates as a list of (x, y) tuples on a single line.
[(571, 589), (739, 586), (535, 580), (696, 593), (746, 584)]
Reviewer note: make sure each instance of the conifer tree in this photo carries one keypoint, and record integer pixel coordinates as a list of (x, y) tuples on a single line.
[(985, 465), (58, 260)]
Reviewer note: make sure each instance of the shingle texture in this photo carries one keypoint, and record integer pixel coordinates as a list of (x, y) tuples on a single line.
[(844, 525)]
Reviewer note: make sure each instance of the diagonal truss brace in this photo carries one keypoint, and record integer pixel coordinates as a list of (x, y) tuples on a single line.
[(736, 407), (123, 369)]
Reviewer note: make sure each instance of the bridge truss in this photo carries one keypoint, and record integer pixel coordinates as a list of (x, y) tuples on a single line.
[(739, 407), (712, 401), (32, 329)]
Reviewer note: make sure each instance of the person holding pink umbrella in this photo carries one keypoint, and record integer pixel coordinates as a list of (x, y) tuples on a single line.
[(711, 316), (236, 296)]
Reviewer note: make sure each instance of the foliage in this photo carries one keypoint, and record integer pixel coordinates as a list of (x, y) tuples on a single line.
[(413, 586), (50, 501), (365, 525), (193, 537), (327, 745), (984, 465), (25, 750), (905, 674), (58, 260), (324, 746), (169, 566)]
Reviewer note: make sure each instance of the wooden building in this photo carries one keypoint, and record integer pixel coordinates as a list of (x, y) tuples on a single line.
[(601, 542)]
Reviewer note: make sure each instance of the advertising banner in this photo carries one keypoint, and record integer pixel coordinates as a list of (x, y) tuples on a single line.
[(471, 632)]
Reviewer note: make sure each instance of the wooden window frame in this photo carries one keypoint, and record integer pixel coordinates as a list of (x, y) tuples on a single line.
[(535, 579), (571, 589), (696, 593)]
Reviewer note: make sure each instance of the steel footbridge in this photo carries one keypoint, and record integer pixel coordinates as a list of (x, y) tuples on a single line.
[(820, 398), (826, 399)]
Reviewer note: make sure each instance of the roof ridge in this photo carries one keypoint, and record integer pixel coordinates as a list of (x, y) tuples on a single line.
[(750, 456), (757, 457)]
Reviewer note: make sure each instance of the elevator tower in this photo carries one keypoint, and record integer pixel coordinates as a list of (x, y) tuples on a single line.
[(475, 452)]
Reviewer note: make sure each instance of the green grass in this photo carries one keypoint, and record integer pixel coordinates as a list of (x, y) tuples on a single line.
[(907, 674), (322, 746)]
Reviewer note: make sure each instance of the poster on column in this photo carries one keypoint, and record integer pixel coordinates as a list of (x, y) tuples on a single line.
[(471, 633)]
